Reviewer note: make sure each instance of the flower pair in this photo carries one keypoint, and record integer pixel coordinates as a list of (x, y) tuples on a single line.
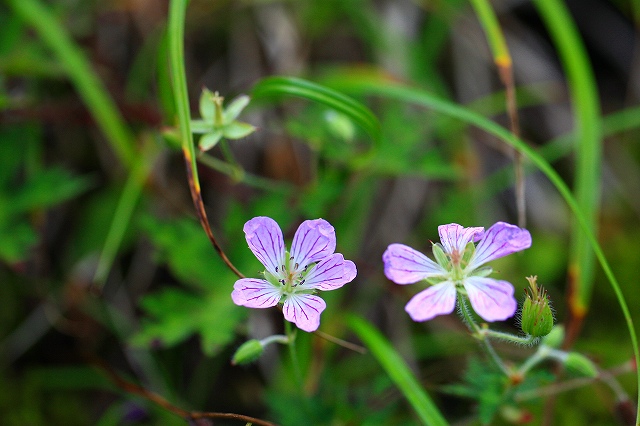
[(294, 277)]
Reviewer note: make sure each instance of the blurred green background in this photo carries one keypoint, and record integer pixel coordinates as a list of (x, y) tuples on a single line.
[(101, 253)]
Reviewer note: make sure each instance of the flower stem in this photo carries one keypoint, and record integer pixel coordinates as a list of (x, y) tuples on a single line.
[(479, 333), (508, 337), (291, 337)]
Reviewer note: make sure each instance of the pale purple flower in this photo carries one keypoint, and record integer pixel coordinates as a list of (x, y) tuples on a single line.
[(458, 268), (293, 277)]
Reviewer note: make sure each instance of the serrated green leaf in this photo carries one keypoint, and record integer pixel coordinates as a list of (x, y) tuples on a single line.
[(48, 187)]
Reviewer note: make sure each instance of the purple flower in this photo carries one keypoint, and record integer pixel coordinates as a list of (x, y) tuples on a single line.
[(458, 269), (293, 277)]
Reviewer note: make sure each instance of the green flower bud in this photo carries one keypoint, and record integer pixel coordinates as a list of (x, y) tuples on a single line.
[(581, 365), (537, 318), (555, 337), (248, 352)]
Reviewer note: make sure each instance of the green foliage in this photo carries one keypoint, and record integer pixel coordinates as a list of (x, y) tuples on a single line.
[(176, 313), (27, 189)]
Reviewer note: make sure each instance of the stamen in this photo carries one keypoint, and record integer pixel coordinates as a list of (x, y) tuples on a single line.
[(291, 258), (276, 269), (296, 266), (301, 282)]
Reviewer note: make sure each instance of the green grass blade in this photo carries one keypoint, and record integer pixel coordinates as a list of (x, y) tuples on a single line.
[(290, 86), (398, 371), (588, 148), (93, 93), (392, 90)]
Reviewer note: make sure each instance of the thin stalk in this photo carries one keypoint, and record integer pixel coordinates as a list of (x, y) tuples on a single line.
[(502, 59), (588, 152), (177, 12), (508, 337), (476, 330)]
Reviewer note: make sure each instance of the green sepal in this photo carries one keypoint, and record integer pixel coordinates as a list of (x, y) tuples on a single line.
[(469, 251), (440, 256)]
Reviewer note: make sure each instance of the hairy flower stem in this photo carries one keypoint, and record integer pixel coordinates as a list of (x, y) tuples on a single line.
[(477, 332), (508, 337)]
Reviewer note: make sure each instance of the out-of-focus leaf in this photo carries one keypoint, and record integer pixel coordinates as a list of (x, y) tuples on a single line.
[(49, 187), (177, 314), (237, 130), (281, 86)]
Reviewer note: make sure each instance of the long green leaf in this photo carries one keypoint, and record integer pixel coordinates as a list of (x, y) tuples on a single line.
[(588, 147), (291, 86), (398, 371), (93, 93)]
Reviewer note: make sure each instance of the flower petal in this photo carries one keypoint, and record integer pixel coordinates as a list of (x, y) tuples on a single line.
[(439, 299), (455, 237), (255, 293), (500, 240), (491, 299), (314, 240), (265, 241), (304, 311), (404, 265), (330, 273)]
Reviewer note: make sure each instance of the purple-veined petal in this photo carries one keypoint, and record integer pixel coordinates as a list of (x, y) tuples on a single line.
[(491, 299), (314, 240), (330, 273), (455, 237), (265, 241), (255, 293), (404, 265), (499, 240), (304, 311), (439, 299)]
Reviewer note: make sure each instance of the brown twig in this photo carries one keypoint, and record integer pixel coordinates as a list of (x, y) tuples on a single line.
[(505, 70), (196, 196), (135, 389)]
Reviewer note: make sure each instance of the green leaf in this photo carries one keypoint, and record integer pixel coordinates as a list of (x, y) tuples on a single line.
[(207, 106), (398, 371), (237, 130), (201, 126), (47, 188), (209, 140), (176, 313), (235, 107), (280, 86)]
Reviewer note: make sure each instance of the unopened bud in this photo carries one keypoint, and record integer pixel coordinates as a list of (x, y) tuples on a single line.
[(537, 318), (248, 352), (580, 364)]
